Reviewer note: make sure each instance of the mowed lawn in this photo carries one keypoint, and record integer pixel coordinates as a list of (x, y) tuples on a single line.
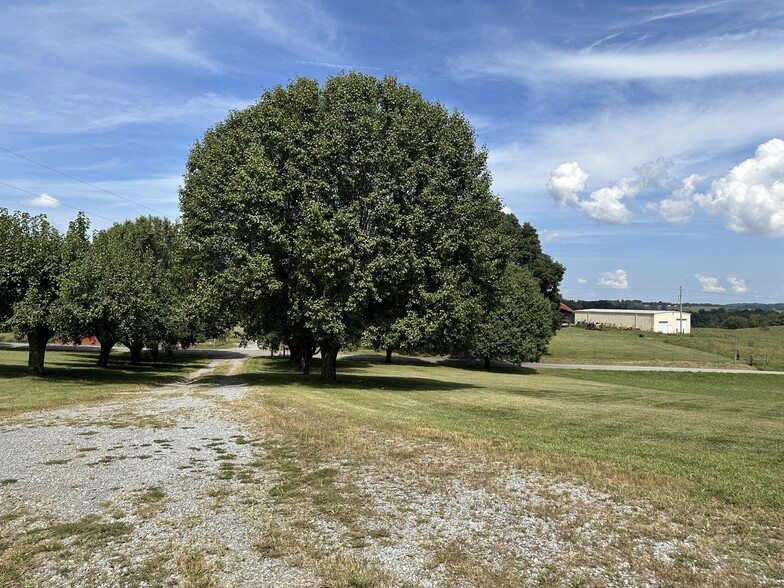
[(72, 377), (715, 437)]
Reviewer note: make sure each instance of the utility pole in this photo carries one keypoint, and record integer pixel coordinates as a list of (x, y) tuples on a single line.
[(680, 301)]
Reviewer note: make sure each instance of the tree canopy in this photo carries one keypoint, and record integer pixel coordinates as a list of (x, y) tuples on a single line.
[(321, 211)]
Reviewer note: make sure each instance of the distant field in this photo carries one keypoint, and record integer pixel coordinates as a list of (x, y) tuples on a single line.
[(714, 347), (764, 345)]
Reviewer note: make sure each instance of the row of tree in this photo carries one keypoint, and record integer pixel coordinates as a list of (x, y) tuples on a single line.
[(729, 318), (125, 285), (314, 219)]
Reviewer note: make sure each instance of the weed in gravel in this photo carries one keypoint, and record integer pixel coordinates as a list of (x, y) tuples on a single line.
[(273, 541), (87, 433), (86, 449), (107, 459), (195, 570), (151, 495), (149, 571), (24, 550), (348, 572), (225, 471), (8, 481), (57, 461)]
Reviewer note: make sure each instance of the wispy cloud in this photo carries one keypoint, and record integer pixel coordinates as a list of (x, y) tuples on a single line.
[(757, 52), (303, 27), (738, 284)]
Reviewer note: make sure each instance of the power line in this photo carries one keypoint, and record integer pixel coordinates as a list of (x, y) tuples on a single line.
[(57, 171), (47, 197)]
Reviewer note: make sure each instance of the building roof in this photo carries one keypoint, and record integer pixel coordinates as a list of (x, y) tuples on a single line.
[(565, 308), (626, 311)]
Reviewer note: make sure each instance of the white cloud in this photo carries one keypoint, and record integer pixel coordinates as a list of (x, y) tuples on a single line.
[(750, 197), (709, 284), (566, 182), (738, 284), (550, 236), (582, 281), (43, 200), (605, 206), (506, 210), (678, 208), (616, 279)]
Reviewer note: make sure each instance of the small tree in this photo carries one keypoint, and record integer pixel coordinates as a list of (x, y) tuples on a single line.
[(33, 261), (517, 327)]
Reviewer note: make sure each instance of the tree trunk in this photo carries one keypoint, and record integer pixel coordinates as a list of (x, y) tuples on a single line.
[(296, 355), (329, 358), (136, 351), (389, 355), (154, 352), (36, 344), (302, 350), (487, 363), (106, 348)]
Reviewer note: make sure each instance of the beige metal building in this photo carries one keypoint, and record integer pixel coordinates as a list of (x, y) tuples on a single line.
[(657, 321)]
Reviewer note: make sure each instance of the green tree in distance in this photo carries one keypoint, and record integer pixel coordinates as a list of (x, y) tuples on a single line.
[(123, 289)]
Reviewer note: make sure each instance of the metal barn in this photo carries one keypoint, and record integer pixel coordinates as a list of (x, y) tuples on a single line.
[(655, 321)]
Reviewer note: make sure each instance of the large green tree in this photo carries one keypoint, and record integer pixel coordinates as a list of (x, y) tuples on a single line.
[(32, 263), (320, 211), (124, 289)]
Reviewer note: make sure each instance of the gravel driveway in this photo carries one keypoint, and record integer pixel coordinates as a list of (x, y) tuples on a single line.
[(159, 473)]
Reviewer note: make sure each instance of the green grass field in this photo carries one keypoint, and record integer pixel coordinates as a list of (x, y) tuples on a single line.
[(73, 378), (716, 436), (712, 347)]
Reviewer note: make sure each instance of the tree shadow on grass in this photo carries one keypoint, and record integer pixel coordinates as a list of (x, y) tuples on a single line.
[(280, 373), (70, 366), (474, 365)]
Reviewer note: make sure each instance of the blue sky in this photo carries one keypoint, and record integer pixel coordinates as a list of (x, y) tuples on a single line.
[(644, 140)]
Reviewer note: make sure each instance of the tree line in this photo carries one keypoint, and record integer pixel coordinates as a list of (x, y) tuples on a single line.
[(319, 217), (732, 318)]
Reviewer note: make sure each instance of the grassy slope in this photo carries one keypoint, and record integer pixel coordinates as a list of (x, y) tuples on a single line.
[(714, 347), (72, 378), (712, 435)]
